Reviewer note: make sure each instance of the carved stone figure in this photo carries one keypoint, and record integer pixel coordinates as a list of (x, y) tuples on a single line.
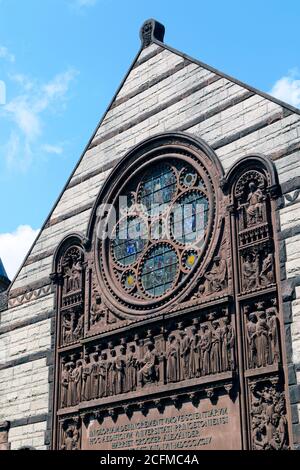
[(250, 272), (76, 274), (204, 348), (184, 351), (112, 374), (267, 272), (78, 331), (103, 375), (71, 394), (194, 353), (72, 271), (71, 438), (252, 340), (272, 320), (68, 324), (172, 360), (131, 369), (73, 375), (121, 370), (148, 371), (95, 375), (262, 340), (97, 309), (254, 208), (215, 354), (86, 379), (216, 278), (64, 385), (78, 380), (228, 346)]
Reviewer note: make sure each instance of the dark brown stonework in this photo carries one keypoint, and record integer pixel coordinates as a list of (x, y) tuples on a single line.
[(4, 429), (205, 355)]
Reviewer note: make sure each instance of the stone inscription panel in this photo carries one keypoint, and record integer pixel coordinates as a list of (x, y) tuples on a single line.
[(205, 426)]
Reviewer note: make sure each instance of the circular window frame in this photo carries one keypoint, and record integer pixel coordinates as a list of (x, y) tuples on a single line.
[(161, 149)]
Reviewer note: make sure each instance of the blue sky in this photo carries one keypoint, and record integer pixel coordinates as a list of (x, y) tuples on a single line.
[(62, 60)]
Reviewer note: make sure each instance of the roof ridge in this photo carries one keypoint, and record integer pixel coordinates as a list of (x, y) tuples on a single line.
[(3, 273), (229, 77)]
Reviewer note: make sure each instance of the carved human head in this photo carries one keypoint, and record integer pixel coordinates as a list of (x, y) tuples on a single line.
[(252, 317), (150, 345), (95, 356), (122, 349)]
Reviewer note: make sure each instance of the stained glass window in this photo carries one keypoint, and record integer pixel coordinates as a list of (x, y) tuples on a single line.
[(189, 218), (159, 269), (158, 189), (129, 241), (159, 241)]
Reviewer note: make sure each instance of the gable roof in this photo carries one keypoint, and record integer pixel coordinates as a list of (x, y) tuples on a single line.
[(152, 32), (3, 276)]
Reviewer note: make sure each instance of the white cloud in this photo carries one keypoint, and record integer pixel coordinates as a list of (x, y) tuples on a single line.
[(27, 111), (287, 88), (84, 3), (6, 55), (56, 149), (14, 247)]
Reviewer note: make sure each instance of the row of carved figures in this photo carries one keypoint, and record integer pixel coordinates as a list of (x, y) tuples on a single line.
[(263, 335), (209, 351), (189, 354), (97, 377)]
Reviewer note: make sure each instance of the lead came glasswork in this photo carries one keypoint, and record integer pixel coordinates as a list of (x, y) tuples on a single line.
[(159, 269), (162, 238), (130, 240), (158, 190), (190, 218)]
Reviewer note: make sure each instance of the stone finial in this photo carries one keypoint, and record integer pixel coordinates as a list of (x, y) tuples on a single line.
[(150, 31)]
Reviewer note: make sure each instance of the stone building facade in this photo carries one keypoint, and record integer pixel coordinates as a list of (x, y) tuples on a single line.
[(242, 285)]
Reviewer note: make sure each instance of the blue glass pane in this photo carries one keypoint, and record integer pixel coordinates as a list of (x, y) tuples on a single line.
[(190, 218), (130, 240), (158, 190), (159, 270)]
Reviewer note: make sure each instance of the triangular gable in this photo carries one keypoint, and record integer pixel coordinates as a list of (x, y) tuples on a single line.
[(164, 90)]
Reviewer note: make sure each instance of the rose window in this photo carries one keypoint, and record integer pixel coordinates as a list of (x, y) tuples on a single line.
[(158, 230)]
